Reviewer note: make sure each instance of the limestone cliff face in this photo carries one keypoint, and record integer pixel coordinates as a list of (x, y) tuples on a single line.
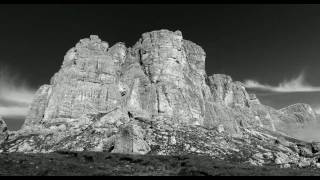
[(101, 89), (162, 75), (154, 97), (87, 83), (166, 76)]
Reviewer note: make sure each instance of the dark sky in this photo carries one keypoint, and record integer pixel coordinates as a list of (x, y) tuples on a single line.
[(267, 43)]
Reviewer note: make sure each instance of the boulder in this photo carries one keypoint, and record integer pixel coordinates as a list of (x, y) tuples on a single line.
[(315, 147), (131, 140)]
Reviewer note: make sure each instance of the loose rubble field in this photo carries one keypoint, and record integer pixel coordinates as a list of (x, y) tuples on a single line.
[(106, 164)]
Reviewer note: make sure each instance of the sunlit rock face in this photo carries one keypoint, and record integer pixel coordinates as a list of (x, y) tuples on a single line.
[(84, 96), (166, 77), (154, 97), (228, 92), (99, 90), (86, 84), (233, 107), (38, 106), (166, 74)]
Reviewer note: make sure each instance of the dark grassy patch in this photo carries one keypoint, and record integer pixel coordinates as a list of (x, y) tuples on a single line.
[(105, 164)]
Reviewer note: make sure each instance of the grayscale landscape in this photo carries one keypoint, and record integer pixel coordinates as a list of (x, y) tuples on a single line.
[(154, 109)]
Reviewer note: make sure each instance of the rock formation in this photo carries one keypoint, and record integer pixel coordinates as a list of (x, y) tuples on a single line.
[(3, 131), (154, 98), (297, 119), (302, 113)]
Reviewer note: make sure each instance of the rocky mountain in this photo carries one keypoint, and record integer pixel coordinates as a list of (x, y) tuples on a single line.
[(156, 98), (301, 113), (298, 117)]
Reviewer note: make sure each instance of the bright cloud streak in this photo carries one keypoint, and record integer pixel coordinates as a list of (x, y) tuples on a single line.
[(15, 90), (297, 84), (317, 109), (13, 111)]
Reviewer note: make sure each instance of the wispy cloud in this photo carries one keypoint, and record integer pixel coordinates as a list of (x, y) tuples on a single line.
[(13, 111), (317, 110), (297, 84), (15, 93)]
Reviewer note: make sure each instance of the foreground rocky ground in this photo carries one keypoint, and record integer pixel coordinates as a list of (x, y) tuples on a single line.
[(99, 163)]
